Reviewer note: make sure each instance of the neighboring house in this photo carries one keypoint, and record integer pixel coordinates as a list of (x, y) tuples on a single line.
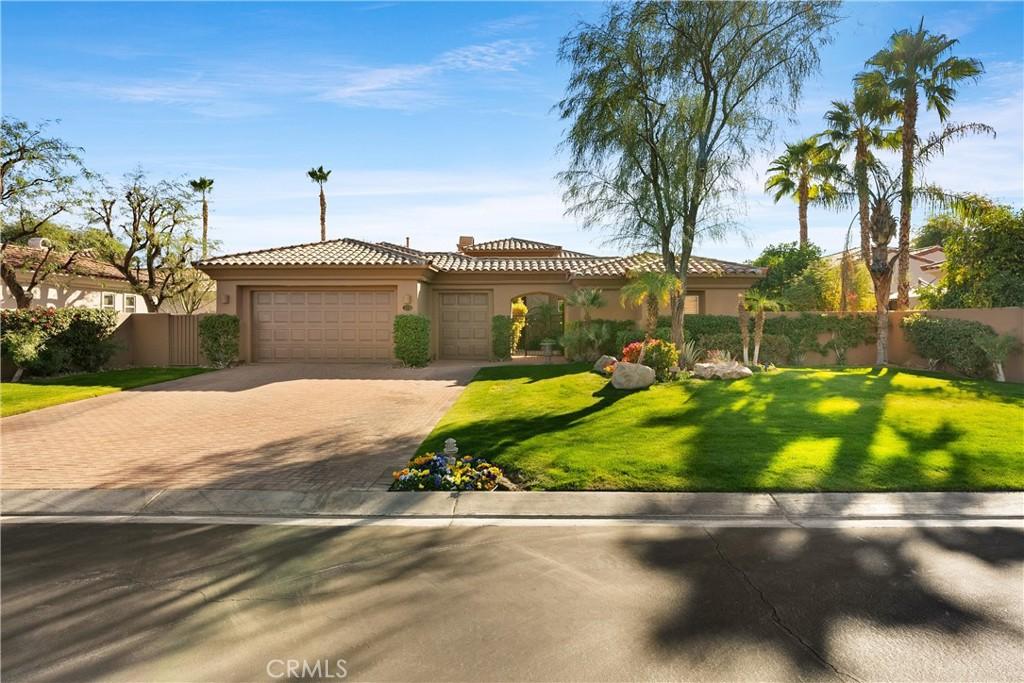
[(86, 282), (336, 300), (925, 269)]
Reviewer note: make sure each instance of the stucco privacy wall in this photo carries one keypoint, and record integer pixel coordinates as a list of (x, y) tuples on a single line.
[(1008, 320), (157, 340)]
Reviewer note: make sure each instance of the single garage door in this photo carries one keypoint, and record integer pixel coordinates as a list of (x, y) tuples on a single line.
[(465, 329), (323, 326)]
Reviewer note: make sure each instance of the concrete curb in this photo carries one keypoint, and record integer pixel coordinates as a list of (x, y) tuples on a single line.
[(526, 508)]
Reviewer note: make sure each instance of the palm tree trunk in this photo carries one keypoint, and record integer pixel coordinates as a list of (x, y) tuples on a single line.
[(758, 332), (906, 198), (323, 215), (863, 200), (803, 199), (206, 223), (882, 282), (744, 322)]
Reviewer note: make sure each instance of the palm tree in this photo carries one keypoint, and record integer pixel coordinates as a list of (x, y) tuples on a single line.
[(744, 320), (859, 124), (587, 298), (759, 303), (651, 290), (804, 172), (203, 186), (916, 61), (319, 176)]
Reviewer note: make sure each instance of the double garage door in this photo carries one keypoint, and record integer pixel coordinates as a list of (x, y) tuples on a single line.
[(323, 325)]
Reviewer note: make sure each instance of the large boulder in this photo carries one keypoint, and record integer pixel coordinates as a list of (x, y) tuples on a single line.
[(724, 370), (603, 362), (632, 376)]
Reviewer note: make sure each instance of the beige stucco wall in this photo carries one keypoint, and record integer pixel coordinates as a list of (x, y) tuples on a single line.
[(79, 292)]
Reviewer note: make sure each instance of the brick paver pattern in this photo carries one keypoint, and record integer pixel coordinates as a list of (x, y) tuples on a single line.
[(294, 427)]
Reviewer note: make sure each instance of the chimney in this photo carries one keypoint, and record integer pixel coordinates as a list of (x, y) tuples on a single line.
[(465, 241)]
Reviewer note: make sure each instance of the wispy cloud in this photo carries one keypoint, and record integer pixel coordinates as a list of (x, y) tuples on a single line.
[(241, 90), (510, 24)]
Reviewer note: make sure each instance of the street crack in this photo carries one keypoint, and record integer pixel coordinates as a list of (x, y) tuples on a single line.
[(775, 616)]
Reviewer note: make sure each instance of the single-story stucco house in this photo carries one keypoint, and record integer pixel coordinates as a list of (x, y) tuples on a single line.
[(336, 300), (79, 281)]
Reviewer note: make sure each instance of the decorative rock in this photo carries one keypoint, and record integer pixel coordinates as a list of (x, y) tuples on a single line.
[(729, 370), (632, 376), (603, 362)]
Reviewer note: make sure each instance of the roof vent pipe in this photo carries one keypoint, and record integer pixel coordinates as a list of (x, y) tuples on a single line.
[(407, 242), (39, 243)]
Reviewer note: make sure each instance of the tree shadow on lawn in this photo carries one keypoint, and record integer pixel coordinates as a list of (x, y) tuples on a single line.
[(816, 432), (785, 431), (800, 593)]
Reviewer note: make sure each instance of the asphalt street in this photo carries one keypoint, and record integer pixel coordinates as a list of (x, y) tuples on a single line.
[(166, 602)]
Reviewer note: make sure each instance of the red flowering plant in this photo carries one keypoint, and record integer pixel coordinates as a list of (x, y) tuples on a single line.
[(659, 355), (435, 472)]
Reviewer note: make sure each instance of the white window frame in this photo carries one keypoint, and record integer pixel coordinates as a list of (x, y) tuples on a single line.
[(134, 303), (103, 301)]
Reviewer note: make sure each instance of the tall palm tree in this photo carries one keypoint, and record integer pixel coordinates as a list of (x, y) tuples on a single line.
[(319, 176), (860, 124), (651, 290), (586, 298), (915, 63), (203, 186), (759, 303), (804, 172)]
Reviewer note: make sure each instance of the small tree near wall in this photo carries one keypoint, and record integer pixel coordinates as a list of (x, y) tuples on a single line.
[(412, 339), (218, 339)]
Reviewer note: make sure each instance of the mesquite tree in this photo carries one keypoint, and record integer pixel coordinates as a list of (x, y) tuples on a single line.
[(144, 230), (665, 103), (40, 182)]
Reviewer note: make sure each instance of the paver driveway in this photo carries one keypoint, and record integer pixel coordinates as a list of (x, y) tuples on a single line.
[(291, 427)]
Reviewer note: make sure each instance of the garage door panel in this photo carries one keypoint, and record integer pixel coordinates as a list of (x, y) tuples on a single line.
[(464, 327), (321, 326)]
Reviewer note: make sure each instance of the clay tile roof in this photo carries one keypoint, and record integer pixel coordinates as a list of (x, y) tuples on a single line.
[(22, 257), (510, 244), (699, 265), (350, 252), (341, 252)]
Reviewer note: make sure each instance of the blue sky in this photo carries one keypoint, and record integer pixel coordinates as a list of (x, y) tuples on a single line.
[(435, 118)]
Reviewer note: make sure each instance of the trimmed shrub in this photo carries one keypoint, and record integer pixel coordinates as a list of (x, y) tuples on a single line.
[(620, 333), (412, 339), (218, 339), (502, 336), (583, 342), (949, 341), (519, 313), (659, 355), (70, 339)]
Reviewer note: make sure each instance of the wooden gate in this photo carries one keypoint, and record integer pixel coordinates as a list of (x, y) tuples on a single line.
[(183, 337)]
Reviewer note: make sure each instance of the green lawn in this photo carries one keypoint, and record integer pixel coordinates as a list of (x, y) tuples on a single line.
[(851, 429), (42, 393)]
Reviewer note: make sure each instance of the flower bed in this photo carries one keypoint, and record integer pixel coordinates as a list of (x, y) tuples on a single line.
[(435, 472)]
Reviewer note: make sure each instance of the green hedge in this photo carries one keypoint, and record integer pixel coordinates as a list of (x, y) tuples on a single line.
[(950, 341), (502, 334), (774, 347), (412, 339), (218, 339), (64, 339)]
